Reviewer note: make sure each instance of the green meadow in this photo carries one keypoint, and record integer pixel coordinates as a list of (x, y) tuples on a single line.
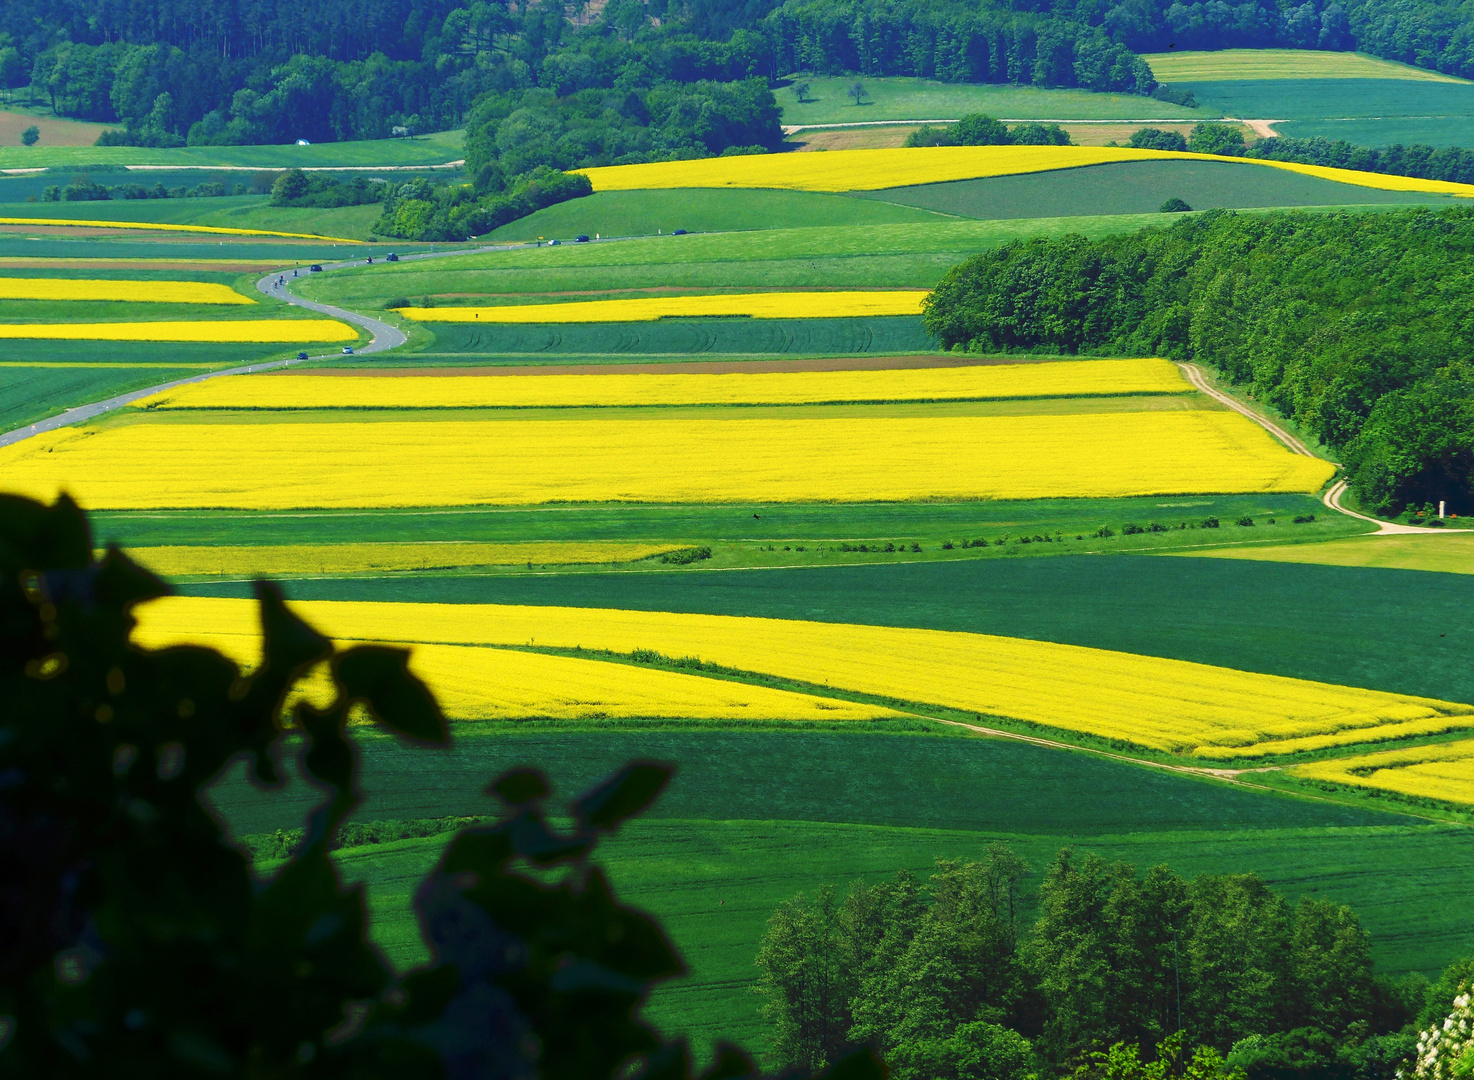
[(646, 213), (900, 98), (230, 212), (754, 817), (420, 150), (1140, 187)]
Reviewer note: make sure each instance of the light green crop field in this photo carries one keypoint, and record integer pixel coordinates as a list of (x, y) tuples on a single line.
[(1240, 64), (825, 257), (231, 212), (1446, 552), (644, 213), (901, 98), (1138, 187), (754, 817), (437, 149)]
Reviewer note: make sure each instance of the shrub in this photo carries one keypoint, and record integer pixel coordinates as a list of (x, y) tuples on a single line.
[(31, 136), (1132, 529), (1210, 523), (1105, 532), (1175, 206), (1150, 138), (686, 556), (1303, 519), (1225, 140), (1245, 520)]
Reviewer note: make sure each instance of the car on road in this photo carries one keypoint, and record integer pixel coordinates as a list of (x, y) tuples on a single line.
[(301, 356), (347, 350), (554, 243), (315, 268), (678, 232), (580, 239), (391, 257)]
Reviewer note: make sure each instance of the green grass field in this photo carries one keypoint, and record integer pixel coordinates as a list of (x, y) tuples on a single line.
[(690, 337), (1448, 552), (1400, 631), (900, 98), (42, 378), (1296, 64), (231, 212), (184, 248), (1139, 187), (754, 817), (435, 149), (644, 213), (829, 257), (1315, 99), (1402, 130)]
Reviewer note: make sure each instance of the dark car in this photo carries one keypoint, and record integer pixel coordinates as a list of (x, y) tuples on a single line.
[(391, 257), (679, 232), (581, 239), (301, 356), (315, 268)]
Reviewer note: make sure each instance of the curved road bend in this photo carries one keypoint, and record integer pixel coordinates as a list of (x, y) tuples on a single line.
[(1333, 495), (383, 337)]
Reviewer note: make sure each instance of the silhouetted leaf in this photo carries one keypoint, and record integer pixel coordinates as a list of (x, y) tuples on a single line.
[(289, 644), (861, 1065), (623, 795), (518, 787), (729, 1063), (379, 676)]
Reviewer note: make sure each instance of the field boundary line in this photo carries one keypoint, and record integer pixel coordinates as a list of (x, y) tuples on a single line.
[(793, 129)]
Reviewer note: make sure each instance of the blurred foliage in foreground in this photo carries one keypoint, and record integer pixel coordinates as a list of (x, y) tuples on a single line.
[(135, 940)]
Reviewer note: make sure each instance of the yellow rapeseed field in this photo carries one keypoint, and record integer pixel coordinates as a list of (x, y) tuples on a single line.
[(508, 460), (874, 170), (478, 683), (1168, 705), (266, 331), (295, 559), (1060, 379), (1441, 771), (790, 305), (160, 226), (153, 292)]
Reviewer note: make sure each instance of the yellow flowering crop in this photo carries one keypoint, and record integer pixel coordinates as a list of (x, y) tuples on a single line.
[(789, 305), (478, 683), (153, 292), (507, 460), (160, 226), (1440, 771), (268, 331), (1057, 379), (294, 559), (1168, 705), (874, 170)]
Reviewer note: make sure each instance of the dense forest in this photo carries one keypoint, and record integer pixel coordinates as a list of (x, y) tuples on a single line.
[(229, 71), (948, 981), (1358, 326)]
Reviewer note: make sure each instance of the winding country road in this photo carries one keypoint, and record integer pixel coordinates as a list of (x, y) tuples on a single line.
[(383, 337)]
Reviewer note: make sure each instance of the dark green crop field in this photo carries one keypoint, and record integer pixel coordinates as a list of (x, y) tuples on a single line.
[(644, 213), (1139, 187), (896, 334), (1405, 631), (28, 394), (755, 817), (1404, 130)]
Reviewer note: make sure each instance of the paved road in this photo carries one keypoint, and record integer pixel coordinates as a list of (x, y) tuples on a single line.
[(384, 337)]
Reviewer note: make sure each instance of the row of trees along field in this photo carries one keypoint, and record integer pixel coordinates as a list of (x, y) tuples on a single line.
[(228, 72), (1358, 326), (947, 983)]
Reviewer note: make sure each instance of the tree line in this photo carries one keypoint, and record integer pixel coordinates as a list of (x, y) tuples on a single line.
[(1357, 326), (227, 71), (947, 978)]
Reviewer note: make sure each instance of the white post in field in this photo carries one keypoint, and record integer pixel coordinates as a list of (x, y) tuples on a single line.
[(1440, 509)]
